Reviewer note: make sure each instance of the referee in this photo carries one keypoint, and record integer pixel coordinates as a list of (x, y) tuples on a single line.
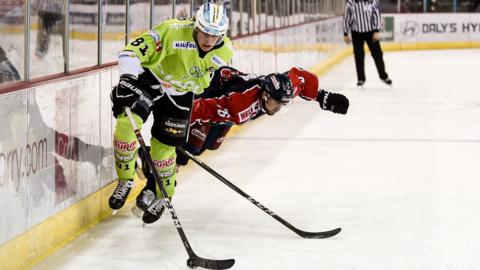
[(362, 19)]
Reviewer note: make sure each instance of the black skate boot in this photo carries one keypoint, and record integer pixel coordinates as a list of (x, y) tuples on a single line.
[(144, 199), (120, 194), (154, 211)]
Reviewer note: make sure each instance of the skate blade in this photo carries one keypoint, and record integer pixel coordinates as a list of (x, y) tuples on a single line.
[(144, 224), (114, 212), (137, 212)]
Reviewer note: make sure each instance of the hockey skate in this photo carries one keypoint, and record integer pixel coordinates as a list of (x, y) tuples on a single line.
[(120, 194), (144, 199), (154, 211), (388, 81)]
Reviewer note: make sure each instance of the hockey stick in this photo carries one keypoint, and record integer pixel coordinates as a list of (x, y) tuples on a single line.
[(304, 234), (193, 260)]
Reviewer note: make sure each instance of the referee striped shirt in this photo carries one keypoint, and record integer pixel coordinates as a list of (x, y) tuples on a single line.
[(361, 16)]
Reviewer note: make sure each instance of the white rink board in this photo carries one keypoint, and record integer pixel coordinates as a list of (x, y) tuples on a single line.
[(435, 27), (52, 154), (13, 174)]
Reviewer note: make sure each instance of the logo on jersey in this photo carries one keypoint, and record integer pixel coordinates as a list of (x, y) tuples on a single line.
[(184, 45), (199, 134), (173, 131), (180, 25), (169, 123), (178, 86), (218, 61), (196, 72), (162, 163), (211, 69), (124, 146), (227, 74), (123, 158), (175, 127), (249, 112), (126, 54)]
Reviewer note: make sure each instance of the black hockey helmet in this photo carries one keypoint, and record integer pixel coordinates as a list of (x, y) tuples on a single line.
[(279, 87)]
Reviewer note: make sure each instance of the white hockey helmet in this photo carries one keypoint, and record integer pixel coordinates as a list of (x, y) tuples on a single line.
[(212, 19)]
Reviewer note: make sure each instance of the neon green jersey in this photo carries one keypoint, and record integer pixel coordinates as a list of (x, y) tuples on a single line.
[(169, 51)]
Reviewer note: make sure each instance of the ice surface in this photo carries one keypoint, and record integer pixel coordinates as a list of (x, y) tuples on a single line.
[(399, 174)]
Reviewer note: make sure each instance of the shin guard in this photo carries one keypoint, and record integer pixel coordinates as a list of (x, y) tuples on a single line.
[(124, 144), (163, 157)]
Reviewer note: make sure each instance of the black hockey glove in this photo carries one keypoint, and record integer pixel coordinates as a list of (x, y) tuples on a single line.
[(130, 93), (336, 103)]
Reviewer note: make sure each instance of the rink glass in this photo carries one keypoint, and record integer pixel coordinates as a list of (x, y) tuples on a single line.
[(12, 43), (42, 39)]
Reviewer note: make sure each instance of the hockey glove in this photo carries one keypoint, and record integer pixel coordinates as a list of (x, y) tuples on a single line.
[(130, 93), (333, 102)]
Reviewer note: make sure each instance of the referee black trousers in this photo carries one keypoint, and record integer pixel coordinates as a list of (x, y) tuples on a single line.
[(358, 40)]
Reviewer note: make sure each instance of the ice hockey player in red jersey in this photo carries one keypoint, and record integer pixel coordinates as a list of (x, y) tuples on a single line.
[(234, 98)]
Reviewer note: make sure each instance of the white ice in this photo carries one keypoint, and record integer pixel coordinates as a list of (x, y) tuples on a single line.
[(399, 174)]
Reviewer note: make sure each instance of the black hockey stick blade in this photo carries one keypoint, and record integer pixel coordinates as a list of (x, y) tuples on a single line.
[(303, 234), (319, 235), (194, 262)]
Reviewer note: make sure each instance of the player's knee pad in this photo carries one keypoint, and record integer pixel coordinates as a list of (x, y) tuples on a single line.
[(124, 145), (163, 157)]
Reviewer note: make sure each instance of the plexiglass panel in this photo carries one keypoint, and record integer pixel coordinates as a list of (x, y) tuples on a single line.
[(113, 28), (197, 4), (12, 27), (83, 33), (139, 18), (183, 8), (47, 37), (262, 15), (240, 17), (162, 10)]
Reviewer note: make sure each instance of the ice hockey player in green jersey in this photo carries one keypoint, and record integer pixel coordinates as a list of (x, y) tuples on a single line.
[(160, 71)]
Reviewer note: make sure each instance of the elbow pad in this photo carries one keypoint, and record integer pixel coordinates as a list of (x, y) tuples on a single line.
[(129, 63)]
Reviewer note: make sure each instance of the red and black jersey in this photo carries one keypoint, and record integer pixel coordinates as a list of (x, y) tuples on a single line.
[(236, 97), (304, 83)]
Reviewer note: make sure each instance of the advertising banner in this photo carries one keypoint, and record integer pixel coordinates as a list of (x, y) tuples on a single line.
[(55, 149), (16, 163), (388, 28), (446, 27)]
